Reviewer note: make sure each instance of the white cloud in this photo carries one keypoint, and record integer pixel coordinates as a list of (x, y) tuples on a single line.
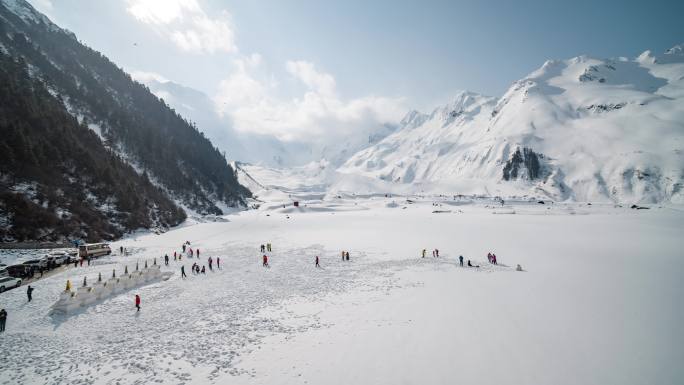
[(250, 96), (186, 24), (161, 11), (319, 114), (147, 77), (241, 88), (42, 4), (317, 81)]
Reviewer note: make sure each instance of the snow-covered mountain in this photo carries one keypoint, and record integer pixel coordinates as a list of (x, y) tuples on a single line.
[(579, 129), (87, 152)]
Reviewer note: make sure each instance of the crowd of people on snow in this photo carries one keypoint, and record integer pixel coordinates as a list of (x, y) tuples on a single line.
[(435, 253), (198, 269), (491, 257)]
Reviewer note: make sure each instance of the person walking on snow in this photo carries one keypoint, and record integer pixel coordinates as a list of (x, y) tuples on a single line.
[(460, 260), (183, 272), (174, 256), (262, 248), (317, 265), (203, 270), (166, 259), (29, 291), (210, 262), (436, 252), (347, 256), (268, 247), (218, 263), (423, 253), (197, 253), (184, 247), (494, 258), (343, 255), (137, 302), (265, 262), (3, 319)]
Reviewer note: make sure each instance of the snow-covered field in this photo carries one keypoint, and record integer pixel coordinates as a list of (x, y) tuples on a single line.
[(597, 304)]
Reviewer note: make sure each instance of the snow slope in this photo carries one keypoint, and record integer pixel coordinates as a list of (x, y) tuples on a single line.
[(586, 130)]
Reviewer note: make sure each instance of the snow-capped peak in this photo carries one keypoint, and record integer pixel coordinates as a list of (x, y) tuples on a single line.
[(465, 104), (671, 55), (413, 119), (676, 50)]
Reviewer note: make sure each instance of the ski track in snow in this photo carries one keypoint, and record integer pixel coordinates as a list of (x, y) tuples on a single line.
[(110, 343)]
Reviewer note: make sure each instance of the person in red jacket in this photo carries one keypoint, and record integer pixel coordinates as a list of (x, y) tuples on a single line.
[(137, 302), (265, 263)]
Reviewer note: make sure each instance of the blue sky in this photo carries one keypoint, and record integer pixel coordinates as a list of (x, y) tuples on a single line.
[(356, 57)]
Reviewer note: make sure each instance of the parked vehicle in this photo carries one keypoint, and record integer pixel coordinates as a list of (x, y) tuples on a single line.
[(19, 271), (93, 250), (37, 263), (7, 283), (59, 257), (3, 270)]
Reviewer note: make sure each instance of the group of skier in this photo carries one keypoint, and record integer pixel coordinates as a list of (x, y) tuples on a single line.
[(188, 251), (195, 268), (317, 260), (490, 256), (435, 253), (264, 248)]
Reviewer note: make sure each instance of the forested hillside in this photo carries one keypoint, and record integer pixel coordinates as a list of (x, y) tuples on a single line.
[(58, 180), (79, 129)]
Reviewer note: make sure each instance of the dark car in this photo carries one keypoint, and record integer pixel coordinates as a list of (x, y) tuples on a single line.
[(19, 271), (37, 263)]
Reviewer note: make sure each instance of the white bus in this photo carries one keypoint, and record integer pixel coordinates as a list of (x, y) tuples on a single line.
[(93, 250)]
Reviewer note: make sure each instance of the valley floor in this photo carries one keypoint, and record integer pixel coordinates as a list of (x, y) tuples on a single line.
[(598, 302)]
